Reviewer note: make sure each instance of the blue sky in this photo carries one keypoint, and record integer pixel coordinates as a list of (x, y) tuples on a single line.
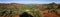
[(29, 1)]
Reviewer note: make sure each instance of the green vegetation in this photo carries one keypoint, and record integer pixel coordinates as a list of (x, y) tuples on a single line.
[(34, 10)]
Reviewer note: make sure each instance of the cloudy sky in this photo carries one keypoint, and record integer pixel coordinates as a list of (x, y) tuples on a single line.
[(29, 1)]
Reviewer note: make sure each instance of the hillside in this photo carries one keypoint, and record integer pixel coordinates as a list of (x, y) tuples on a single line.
[(36, 10)]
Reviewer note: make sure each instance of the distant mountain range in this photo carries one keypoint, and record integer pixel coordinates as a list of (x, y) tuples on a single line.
[(22, 5)]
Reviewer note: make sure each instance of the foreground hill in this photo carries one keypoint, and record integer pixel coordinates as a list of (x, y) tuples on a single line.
[(36, 10)]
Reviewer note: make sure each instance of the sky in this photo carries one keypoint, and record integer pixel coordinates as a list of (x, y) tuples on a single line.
[(30, 1)]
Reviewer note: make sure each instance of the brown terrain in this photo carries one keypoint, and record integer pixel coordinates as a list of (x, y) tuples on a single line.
[(42, 10)]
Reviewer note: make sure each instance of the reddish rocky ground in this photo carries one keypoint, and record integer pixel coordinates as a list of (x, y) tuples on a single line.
[(50, 15)]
